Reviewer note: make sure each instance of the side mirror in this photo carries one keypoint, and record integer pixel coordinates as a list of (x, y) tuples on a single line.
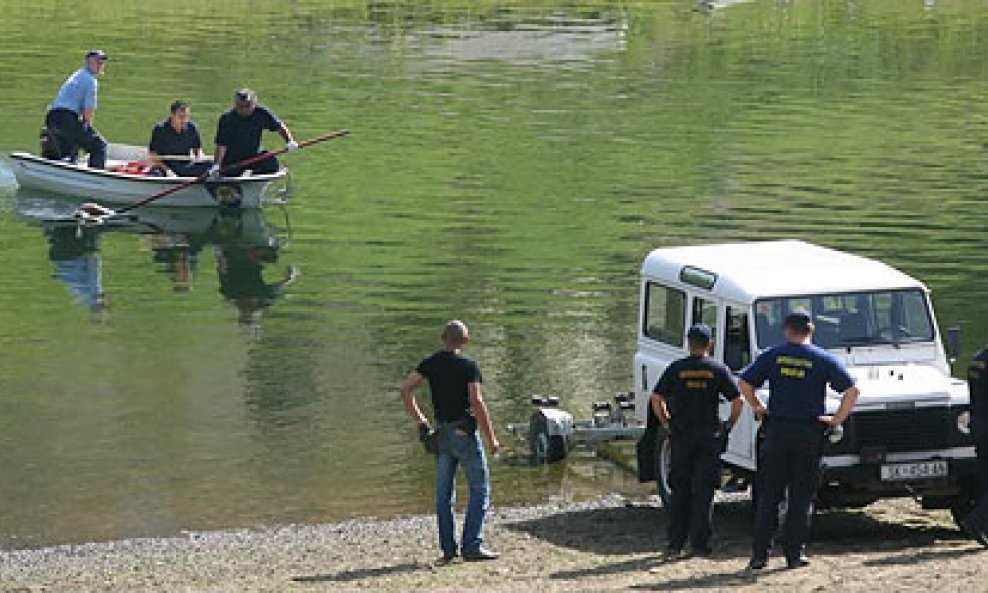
[(953, 344)]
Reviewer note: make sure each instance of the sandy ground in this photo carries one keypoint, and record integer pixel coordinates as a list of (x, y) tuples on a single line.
[(608, 544)]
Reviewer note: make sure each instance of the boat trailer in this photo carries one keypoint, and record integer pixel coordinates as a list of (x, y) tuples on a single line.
[(552, 433)]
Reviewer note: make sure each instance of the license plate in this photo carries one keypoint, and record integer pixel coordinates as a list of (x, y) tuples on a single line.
[(914, 471)]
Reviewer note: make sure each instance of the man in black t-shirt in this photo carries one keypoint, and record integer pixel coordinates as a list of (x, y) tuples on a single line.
[(454, 381), (178, 136), (238, 135), (686, 399)]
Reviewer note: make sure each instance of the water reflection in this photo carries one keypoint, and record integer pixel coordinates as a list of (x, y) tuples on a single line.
[(243, 243), (74, 253)]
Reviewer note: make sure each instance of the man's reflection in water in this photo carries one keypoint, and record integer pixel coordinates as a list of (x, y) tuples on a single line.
[(178, 256), (74, 251), (240, 267)]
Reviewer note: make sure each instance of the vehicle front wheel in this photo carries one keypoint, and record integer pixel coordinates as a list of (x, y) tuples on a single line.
[(961, 506)]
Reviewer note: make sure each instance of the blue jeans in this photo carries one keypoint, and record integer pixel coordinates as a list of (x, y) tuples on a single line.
[(455, 448), (789, 461)]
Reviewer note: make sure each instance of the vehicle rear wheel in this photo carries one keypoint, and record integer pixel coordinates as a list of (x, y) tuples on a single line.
[(663, 467)]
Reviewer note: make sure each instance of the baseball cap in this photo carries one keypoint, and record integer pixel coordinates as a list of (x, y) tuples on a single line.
[(799, 320), (245, 95), (96, 53), (700, 333)]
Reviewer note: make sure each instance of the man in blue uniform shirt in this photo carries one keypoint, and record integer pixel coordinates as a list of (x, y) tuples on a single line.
[(238, 136), (794, 424), (70, 116), (686, 399), (177, 136)]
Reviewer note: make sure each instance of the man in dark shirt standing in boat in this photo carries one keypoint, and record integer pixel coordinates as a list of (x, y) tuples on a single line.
[(178, 136), (70, 116), (238, 136), (454, 381)]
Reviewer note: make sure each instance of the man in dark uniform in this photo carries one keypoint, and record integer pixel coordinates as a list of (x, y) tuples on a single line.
[(686, 399), (454, 381), (238, 135), (976, 523), (177, 136), (794, 423)]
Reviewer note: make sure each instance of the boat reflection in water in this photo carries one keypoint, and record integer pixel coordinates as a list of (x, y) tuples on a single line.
[(243, 244)]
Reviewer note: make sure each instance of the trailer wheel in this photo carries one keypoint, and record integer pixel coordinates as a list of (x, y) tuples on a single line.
[(663, 467), (546, 448)]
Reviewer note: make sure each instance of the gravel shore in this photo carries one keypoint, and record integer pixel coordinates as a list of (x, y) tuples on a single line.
[(607, 544)]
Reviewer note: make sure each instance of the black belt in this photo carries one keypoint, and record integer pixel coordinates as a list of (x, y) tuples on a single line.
[(793, 419)]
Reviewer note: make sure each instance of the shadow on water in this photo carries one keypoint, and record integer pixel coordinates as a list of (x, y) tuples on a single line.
[(243, 243)]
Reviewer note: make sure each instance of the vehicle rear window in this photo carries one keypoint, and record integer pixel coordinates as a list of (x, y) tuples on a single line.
[(665, 314)]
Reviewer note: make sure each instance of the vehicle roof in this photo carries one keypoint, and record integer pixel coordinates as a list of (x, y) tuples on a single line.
[(753, 270)]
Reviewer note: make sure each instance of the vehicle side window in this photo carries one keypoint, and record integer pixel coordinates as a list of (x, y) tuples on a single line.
[(665, 314), (704, 311), (737, 342)]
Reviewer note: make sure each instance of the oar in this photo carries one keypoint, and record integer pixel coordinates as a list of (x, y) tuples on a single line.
[(174, 157), (244, 163)]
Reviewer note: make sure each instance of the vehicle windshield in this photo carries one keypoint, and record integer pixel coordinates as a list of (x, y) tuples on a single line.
[(850, 319)]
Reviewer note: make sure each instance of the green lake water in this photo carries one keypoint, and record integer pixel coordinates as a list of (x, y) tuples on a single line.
[(509, 164)]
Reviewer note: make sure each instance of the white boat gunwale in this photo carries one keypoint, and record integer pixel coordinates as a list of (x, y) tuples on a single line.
[(75, 167), (118, 187)]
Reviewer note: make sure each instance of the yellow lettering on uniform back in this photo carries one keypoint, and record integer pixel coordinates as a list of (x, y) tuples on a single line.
[(696, 384), (796, 362), (791, 372), (696, 374)]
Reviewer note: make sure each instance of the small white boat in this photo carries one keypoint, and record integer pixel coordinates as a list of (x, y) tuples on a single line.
[(117, 185)]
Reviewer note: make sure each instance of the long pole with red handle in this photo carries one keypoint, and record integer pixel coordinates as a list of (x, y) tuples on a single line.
[(244, 163)]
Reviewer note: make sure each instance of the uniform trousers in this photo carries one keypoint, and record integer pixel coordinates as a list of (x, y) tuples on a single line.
[(693, 477), (789, 462), (71, 134), (978, 518)]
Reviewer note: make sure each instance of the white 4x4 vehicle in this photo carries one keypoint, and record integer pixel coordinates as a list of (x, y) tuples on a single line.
[(908, 435)]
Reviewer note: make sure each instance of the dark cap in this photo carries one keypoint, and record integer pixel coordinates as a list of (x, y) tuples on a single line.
[(798, 320), (700, 333), (96, 53), (245, 95)]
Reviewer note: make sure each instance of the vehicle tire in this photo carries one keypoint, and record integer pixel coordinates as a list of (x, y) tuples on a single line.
[(663, 467), (545, 447), (962, 504)]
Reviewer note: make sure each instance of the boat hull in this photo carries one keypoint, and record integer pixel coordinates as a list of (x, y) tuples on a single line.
[(124, 188)]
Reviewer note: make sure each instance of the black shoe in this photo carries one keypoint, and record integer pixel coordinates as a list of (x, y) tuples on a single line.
[(701, 551), (444, 560), (480, 555), (756, 564), (797, 562)]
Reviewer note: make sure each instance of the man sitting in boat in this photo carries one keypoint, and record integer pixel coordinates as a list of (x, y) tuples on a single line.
[(70, 117), (238, 136), (177, 137)]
